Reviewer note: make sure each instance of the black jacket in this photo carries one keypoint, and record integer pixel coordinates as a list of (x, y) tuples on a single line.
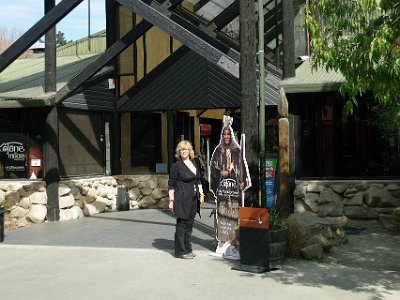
[(184, 182)]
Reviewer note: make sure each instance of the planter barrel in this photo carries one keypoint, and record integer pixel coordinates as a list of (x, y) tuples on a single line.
[(277, 243)]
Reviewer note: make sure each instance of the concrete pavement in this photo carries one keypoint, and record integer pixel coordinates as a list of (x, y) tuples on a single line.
[(128, 255)]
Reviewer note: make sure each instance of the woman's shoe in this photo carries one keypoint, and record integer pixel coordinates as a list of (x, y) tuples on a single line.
[(184, 256), (192, 254)]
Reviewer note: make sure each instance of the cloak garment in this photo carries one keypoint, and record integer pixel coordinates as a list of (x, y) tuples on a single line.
[(185, 183)]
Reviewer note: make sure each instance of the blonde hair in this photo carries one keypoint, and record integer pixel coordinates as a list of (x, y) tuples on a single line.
[(184, 145)]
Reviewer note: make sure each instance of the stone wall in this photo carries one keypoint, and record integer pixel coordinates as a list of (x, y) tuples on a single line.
[(359, 200), (26, 201)]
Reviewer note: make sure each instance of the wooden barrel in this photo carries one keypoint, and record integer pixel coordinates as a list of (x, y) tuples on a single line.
[(277, 243)]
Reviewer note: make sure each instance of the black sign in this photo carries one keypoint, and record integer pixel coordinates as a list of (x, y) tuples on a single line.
[(13, 149)]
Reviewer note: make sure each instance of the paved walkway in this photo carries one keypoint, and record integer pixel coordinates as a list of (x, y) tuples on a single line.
[(127, 255)]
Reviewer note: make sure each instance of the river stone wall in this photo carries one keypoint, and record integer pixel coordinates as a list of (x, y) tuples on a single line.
[(359, 200), (25, 202)]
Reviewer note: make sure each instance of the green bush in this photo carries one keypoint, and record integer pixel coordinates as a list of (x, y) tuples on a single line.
[(296, 237), (274, 221)]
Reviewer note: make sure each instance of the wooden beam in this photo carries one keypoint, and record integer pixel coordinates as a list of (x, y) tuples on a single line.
[(112, 52), (50, 63), (100, 62), (51, 173), (185, 32), (288, 39), (36, 31), (226, 16)]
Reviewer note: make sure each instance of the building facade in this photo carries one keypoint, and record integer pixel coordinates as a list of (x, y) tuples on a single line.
[(165, 70)]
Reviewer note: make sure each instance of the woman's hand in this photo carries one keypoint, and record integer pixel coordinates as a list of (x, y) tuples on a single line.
[(224, 173), (171, 196), (201, 198), (241, 185)]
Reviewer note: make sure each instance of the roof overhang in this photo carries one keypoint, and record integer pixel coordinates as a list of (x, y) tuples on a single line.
[(186, 80), (311, 80), (21, 84), (26, 102)]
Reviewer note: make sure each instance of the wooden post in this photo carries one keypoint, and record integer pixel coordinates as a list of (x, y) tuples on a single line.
[(248, 110), (283, 169), (288, 39), (286, 183), (170, 138), (50, 53), (52, 176), (116, 144), (51, 173)]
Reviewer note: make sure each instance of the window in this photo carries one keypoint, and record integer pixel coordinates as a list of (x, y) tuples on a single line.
[(332, 143)]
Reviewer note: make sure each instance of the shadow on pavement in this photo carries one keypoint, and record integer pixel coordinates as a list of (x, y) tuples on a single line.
[(369, 263)]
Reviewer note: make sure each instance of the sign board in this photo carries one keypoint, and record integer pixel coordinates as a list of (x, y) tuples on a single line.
[(229, 177), (35, 162), (161, 168), (205, 129), (13, 149), (253, 217), (270, 178)]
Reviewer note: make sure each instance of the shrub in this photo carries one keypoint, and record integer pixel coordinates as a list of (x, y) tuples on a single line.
[(296, 237), (274, 221)]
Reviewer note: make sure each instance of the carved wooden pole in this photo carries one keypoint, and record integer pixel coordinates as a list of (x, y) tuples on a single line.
[(286, 182), (283, 170)]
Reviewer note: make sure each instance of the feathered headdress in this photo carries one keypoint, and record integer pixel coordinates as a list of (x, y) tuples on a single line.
[(228, 121)]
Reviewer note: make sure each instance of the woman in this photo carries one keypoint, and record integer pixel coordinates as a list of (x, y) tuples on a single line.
[(183, 186)]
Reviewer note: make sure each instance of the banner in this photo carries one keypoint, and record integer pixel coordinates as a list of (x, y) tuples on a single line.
[(229, 178), (270, 178), (13, 147)]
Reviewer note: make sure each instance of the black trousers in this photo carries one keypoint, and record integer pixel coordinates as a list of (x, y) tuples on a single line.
[(183, 231)]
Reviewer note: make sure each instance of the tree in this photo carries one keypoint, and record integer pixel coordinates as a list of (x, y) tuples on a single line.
[(360, 39), (60, 39), (8, 36), (248, 110)]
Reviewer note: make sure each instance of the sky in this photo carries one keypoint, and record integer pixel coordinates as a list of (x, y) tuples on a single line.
[(20, 15)]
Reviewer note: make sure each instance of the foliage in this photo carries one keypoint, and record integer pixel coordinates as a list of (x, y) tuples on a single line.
[(360, 39), (295, 231), (387, 118), (274, 218), (296, 237), (60, 39)]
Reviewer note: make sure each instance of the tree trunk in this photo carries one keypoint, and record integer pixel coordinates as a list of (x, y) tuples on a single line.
[(248, 77)]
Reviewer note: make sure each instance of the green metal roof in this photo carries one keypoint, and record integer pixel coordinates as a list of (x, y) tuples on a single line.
[(309, 80), (22, 83), (185, 80)]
